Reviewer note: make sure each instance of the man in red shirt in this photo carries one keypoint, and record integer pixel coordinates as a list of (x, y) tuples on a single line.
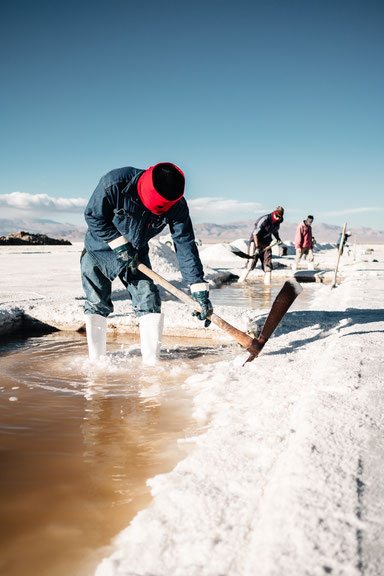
[(304, 241)]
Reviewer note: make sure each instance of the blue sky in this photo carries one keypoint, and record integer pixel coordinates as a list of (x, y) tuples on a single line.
[(260, 103)]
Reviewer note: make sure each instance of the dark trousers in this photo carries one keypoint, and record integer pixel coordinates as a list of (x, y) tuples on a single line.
[(97, 287), (265, 257)]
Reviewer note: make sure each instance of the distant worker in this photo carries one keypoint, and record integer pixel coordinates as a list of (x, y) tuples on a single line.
[(260, 243), (346, 236), (304, 242)]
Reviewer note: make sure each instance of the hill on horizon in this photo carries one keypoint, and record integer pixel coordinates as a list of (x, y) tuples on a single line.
[(208, 232), (323, 233), (41, 226)]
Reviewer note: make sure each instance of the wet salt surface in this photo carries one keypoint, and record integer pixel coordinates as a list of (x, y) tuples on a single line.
[(79, 442)]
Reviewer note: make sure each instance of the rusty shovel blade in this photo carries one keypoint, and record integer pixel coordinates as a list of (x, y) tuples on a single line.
[(285, 298), (255, 348)]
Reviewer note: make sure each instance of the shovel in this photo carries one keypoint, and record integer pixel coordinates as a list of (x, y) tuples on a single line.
[(339, 254), (242, 254), (247, 270), (289, 292)]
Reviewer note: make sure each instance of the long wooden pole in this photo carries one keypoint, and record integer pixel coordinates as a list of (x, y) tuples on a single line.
[(238, 335), (339, 254), (283, 301)]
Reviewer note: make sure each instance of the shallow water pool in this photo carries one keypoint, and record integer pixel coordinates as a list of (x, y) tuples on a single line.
[(78, 444), (259, 296)]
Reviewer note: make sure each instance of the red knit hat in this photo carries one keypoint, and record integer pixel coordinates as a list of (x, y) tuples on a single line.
[(160, 187), (278, 213)]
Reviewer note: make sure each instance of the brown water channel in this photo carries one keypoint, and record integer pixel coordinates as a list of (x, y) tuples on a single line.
[(77, 443), (259, 296), (76, 446)]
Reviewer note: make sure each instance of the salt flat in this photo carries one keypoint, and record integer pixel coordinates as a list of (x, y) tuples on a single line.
[(286, 477)]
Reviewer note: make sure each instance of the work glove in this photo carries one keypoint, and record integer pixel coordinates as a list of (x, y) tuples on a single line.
[(279, 242), (127, 254), (257, 252), (201, 294)]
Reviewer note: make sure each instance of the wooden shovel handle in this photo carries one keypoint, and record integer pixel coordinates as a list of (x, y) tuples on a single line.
[(238, 335)]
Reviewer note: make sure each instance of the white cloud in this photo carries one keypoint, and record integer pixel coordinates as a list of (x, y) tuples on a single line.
[(24, 201), (222, 206)]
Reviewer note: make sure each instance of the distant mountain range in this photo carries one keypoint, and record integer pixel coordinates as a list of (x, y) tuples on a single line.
[(207, 232), (41, 226), (211, 233)]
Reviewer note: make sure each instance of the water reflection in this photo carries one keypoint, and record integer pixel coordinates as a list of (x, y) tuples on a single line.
[(258, 295), (78, 446), (121, 439), (254, 294)]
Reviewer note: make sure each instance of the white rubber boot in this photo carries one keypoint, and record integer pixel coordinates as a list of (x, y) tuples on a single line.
[(294, 266), (311, 266), (96, 326), (267, 278), (151, 330)]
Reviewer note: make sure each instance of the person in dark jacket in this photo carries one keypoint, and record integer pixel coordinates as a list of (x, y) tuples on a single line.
[(129, 207), (346, 236), (260, 240)]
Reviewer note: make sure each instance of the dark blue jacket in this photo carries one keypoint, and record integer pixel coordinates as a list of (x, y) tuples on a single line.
[(264, 228), (346, 236), (115, 209)]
